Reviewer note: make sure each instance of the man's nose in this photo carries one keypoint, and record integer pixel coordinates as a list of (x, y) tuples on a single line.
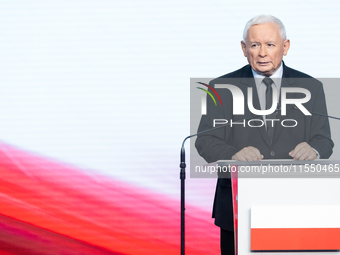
[(263, 52)]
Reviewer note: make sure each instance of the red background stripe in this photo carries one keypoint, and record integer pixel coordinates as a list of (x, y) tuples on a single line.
[(295, 239), (45, 203)]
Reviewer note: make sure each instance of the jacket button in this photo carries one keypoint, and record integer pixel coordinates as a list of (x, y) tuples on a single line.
[(272, 153)]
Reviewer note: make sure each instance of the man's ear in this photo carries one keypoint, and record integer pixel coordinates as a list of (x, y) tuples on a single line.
[(244, 48), (286, 45)]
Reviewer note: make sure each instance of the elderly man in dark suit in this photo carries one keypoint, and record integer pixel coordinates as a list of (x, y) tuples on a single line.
[(264, 44)]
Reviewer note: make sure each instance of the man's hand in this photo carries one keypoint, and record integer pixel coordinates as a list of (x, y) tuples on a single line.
[(248, 154), (303, 151)]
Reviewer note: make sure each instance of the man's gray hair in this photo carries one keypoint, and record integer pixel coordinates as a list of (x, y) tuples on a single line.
[(265, 19)]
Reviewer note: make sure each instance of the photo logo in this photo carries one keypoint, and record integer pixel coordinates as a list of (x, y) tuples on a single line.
[(204, 99), (239, 103)]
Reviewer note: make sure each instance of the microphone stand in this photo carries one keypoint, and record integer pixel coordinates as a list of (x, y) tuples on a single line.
[(183, 176)]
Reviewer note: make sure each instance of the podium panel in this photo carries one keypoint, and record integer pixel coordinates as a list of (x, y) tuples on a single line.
[(288, 215)]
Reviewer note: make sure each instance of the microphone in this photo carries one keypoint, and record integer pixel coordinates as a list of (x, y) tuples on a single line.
[(294, 107)]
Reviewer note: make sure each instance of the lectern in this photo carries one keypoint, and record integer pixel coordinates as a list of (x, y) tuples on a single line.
[(286, 206)]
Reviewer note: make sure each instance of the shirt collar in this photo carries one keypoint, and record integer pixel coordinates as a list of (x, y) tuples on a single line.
[(276, 77)]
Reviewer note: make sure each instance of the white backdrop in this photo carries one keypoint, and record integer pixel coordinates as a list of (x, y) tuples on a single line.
[(104, 85)]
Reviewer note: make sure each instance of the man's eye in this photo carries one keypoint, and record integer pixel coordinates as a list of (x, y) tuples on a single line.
[(253, 45), (270, 45)]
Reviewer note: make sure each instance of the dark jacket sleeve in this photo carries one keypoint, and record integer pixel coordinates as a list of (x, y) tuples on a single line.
[(320, 134)]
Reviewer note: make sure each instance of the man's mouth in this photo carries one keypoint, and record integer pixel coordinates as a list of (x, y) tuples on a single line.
[(263, 63)]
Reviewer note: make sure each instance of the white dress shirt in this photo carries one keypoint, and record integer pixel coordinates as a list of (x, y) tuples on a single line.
[(261, 87)]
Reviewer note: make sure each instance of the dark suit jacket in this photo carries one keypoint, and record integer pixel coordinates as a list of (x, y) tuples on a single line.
[(223, 143)]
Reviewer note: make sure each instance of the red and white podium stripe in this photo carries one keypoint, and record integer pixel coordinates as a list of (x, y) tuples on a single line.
[(283, 228)]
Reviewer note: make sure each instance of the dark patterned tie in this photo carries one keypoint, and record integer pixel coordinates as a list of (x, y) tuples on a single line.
[(269, 101)]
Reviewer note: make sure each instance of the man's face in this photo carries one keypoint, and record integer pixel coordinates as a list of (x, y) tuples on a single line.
[(264, 48)]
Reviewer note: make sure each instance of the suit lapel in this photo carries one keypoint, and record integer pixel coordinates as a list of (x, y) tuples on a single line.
[(287, 81)]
